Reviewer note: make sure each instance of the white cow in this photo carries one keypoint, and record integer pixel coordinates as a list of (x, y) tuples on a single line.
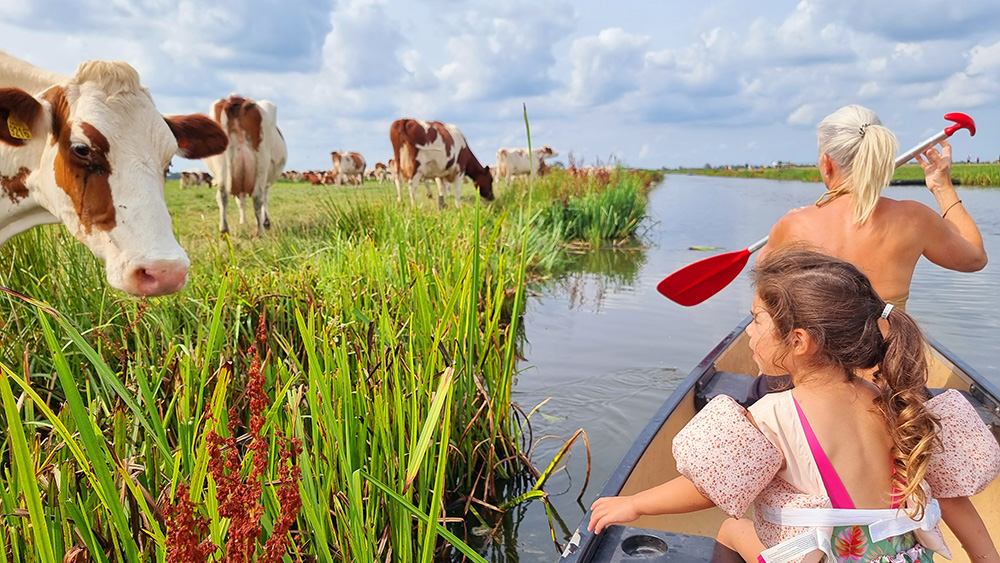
[(515, 162), (253, 161), (348, 167), (424, 150), (90, 151)]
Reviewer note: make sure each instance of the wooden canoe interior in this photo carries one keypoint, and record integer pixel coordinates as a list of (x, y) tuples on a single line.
[(657, 466)]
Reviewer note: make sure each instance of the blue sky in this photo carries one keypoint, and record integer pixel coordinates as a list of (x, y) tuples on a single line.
[(653, 83)]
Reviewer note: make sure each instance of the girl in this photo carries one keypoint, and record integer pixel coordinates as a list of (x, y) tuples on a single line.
[(833, 441)]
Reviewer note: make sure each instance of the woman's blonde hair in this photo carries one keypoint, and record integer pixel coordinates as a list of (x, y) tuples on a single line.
[(864, 150)]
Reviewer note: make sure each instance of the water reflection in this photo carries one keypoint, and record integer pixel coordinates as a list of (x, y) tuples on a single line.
[(606, 349), (593, 276)]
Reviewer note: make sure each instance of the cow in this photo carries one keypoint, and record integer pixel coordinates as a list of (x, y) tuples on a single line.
[(253, 161), (515, 162), (380, 172), (391, 168), (90, 151), (194, 178), (348, 167), (424, 150)]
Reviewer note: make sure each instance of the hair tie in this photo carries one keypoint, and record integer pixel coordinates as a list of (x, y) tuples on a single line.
[(886, 311), (861, 130)]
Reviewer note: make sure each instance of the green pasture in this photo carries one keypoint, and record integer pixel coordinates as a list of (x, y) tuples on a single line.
[(381, 338)]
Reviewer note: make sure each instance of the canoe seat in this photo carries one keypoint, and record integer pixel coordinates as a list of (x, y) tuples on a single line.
[(736, 385)]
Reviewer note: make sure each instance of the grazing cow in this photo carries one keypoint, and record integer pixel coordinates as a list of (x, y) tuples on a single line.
[(424, 150), (380, 172), (515, 162), (254, 160), (348, 167), (90, 151), (194, 178)]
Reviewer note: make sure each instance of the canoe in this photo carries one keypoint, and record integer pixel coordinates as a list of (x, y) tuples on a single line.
[(689, 538)]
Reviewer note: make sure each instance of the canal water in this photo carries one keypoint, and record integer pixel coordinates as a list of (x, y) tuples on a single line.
[(604, 349)]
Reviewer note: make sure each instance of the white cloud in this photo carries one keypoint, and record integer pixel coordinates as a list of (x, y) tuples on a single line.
[(605, 66), (962, 91), (507, 52), (803, 115), (984, 58), (361, 50)]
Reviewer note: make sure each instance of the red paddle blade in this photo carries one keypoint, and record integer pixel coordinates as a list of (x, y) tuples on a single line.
[(697, 282)]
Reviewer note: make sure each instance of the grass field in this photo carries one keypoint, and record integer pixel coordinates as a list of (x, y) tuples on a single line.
[(983, 175), (338, 390)]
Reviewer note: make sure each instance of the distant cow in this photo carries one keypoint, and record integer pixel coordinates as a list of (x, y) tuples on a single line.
[(252, 162), (515, 162), (380, 172), (194, 178), (348, 167), (424, 150), (89, 151)]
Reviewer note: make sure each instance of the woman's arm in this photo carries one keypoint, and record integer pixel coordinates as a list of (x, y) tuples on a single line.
[(964, 521), (676, 496), (953, 241)]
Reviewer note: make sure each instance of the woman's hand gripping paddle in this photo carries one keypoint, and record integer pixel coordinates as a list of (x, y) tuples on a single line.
[(697, 282)]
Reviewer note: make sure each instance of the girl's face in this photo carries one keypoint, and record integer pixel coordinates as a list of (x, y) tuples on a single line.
[(767, 347)]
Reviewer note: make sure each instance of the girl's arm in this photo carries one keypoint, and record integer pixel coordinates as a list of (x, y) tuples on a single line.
[(964, 521), (676, 496)]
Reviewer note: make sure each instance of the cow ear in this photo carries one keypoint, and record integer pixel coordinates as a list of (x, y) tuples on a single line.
[(197, 135), (19, 113)]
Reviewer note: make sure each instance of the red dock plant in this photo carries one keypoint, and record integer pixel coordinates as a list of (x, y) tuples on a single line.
[(240, 499)]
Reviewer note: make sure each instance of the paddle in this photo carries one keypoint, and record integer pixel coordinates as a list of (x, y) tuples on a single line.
[(697, 282)]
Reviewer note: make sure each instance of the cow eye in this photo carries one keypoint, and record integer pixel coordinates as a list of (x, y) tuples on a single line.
[(81, 150)]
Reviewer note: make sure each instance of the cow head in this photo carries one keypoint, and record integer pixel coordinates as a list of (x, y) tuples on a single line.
[(98, 149), (484, 183)]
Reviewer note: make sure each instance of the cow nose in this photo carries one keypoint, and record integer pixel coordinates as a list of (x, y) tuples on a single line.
[(162, 277)]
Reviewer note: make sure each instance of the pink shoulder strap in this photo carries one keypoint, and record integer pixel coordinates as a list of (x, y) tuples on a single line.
[(839, 497)]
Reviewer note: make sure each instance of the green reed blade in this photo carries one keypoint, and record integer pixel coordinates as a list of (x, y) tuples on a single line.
[(439, 529), (26, 473)]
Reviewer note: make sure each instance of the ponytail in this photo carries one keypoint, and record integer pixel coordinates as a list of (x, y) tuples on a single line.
[(864, 150), (902, 380)]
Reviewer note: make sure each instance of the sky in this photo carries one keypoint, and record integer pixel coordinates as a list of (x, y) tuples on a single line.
[(646, 83)]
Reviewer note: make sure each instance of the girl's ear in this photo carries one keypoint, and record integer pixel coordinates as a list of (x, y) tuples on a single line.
[(802, 343)]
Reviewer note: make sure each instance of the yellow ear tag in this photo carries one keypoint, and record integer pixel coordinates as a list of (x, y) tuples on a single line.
[(18, 129)]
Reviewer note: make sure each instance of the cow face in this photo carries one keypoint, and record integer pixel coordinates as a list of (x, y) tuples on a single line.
[(99, 149), (484, 183)]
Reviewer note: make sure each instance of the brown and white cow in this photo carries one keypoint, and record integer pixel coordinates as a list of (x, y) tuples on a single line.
[(253, 161), (424, 150), (348, 167), (512, 163), (90, 151), (380, 172), (194, 178)]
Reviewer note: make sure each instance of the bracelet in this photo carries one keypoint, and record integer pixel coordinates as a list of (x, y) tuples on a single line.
[(949, 208)]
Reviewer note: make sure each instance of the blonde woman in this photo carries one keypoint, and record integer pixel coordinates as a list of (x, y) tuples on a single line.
[(883, 237)]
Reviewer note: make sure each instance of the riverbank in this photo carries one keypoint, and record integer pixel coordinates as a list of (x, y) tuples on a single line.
[(353, 367), (967, 174)]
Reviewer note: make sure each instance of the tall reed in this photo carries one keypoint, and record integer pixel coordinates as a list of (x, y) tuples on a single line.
[(389, 353)]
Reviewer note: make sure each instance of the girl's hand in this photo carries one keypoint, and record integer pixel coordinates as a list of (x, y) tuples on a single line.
[(937, 166), (612, 510)]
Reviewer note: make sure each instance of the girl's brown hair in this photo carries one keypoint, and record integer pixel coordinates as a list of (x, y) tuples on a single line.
[(835, 303)]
